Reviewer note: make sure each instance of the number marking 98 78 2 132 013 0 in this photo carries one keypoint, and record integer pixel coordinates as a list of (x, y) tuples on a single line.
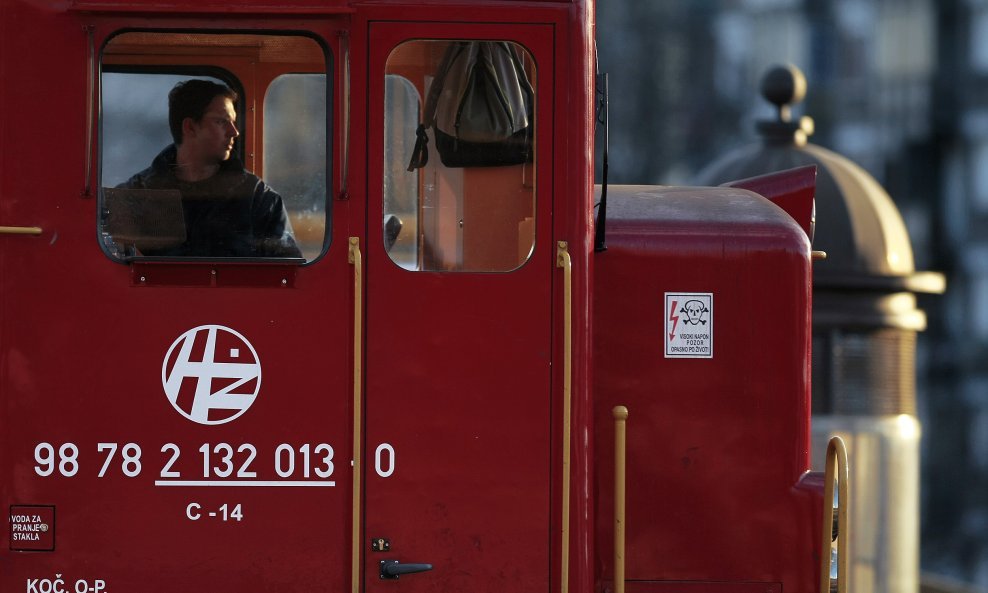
[(221, 463)]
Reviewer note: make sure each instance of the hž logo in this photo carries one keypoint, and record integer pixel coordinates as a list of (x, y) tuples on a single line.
[(211, 374)]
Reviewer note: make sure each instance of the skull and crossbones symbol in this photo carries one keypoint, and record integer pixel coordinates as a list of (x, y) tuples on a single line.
[(694, 310)]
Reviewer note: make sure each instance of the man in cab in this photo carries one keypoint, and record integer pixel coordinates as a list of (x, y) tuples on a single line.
[(227, 211)]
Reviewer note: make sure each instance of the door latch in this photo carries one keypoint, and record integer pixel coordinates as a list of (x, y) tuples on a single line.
[(392, 569)]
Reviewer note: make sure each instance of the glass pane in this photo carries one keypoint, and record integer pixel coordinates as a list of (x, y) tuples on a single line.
[(459, 170), (295, 153), (174, 144), (401, 113), (135, 121)]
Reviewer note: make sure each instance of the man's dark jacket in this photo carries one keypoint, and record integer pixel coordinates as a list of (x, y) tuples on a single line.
[(231, 214)]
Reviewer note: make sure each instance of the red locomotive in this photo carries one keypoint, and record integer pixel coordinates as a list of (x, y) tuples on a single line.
[(415, 389)]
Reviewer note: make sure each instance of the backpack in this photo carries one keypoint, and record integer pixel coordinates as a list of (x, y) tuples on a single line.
[(480, 108)]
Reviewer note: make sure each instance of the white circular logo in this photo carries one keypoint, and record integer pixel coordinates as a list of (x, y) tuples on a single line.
[(211, 374)]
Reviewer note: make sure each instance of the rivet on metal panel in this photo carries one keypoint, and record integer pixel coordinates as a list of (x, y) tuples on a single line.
[(284, 281), (143, 279)]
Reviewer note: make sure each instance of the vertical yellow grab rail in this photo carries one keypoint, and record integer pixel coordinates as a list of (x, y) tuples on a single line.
[(564, 261), (835, 468), (620, 473), (358, 301)]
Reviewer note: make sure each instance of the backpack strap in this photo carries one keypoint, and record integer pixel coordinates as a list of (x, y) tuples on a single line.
[(420, 153)]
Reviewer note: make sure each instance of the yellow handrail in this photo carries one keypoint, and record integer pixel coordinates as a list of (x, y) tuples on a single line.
[(20, 230), (620, 473), (835, 469), (564, 261), (354, 258)]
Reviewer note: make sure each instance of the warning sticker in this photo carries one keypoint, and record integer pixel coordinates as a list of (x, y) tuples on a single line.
[(689, 331), (32, 528)]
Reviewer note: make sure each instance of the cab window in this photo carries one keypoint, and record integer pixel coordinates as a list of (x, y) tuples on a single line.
[(214, 146), (459, 171)]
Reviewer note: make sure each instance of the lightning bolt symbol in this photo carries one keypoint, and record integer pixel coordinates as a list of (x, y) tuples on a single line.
[(674, 319)]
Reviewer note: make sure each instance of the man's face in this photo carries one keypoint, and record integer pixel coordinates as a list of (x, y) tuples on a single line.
[(214, 134)]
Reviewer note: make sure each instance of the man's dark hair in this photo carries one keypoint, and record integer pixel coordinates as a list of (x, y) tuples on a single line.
[(190, 98)]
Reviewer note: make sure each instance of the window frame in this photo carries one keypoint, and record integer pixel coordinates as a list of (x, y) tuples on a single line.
[(249, 146)]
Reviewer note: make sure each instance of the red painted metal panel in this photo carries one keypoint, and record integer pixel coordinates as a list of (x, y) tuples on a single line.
[(700, 587), (716, 444), (792, 190)]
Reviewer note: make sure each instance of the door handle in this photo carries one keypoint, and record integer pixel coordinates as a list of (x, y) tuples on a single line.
[(392, 569)]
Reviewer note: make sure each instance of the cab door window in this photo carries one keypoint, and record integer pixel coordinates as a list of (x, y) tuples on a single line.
[(214, 146), (459, 171)]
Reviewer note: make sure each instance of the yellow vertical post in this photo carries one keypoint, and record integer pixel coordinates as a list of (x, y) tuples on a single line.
[(358, 301), (835, 470), (620, 472), (564, 261)]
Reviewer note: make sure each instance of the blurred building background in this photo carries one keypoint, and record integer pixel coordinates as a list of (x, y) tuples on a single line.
[(901, 88)]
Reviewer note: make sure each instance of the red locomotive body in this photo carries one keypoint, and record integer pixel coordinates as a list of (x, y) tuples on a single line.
[(717, 489), (425, 384)]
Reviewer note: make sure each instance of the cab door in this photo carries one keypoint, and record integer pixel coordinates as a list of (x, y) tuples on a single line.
[(459, 271)]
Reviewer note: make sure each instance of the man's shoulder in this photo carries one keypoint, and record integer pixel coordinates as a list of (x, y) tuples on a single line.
[(138, 180), (253, 184), (158, 172)]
